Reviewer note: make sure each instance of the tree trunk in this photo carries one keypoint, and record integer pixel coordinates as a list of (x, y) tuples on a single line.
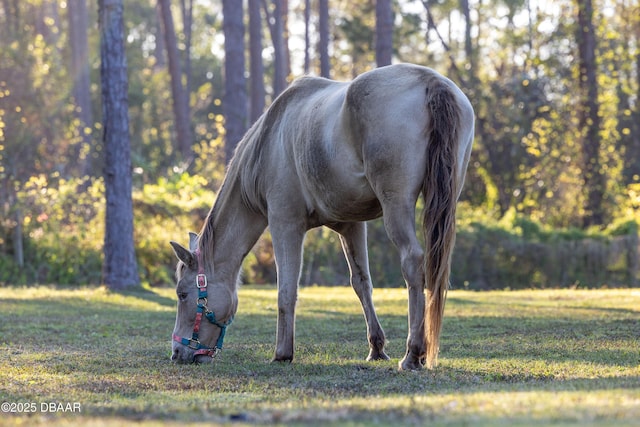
[(5, 30), (12, 13), (187, 20), (235, 96), (588, 117), (284, 12), (384, 32), (632, 152), (279, 56), (79, 41), (18, 236), (307, 19), (159, 51), (468, 43), (256, 65), (50, 31), (120, 268), (180, 97), (636, 113), (323, 47)]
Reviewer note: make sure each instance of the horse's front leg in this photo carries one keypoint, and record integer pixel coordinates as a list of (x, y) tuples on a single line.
[(287, 247)]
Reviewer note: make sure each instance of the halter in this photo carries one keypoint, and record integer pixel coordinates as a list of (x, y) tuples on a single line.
[(194, 343)]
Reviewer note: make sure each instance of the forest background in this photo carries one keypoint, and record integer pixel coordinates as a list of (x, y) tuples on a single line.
[(552, 196)]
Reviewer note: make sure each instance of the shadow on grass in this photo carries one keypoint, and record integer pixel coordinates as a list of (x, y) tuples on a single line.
[(115, 356), (606, 340), (148, 295)]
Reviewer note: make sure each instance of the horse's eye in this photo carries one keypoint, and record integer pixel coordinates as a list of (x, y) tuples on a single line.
[(182, 296)]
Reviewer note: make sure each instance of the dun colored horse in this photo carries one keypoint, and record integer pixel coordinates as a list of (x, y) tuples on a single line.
[(335, 154)]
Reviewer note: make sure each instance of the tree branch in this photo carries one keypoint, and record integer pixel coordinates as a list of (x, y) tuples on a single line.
[(431, 24)]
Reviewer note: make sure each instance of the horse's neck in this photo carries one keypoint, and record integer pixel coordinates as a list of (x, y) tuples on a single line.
[(235, 229)]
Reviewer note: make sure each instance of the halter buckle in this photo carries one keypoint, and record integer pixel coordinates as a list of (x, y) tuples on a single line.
[(194, 344), (201, 281)]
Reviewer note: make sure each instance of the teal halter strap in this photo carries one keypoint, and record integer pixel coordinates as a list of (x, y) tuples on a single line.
[(194, 343)]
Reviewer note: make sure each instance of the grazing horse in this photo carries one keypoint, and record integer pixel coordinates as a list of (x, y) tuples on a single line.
[(335, 154)]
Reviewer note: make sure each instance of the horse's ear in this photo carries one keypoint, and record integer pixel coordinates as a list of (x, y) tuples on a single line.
[(184, 254), (193, 241)]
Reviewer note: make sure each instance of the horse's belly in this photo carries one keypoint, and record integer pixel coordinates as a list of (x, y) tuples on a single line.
[(347, 211), (346, 200), (329, 165)]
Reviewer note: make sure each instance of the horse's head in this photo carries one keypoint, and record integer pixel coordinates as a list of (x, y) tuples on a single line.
[(205, 308)]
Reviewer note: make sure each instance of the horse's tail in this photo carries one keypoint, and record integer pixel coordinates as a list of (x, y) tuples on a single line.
[(440, 191)]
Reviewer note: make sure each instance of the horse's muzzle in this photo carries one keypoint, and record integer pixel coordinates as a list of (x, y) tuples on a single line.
[(181, 354), (184, 355)]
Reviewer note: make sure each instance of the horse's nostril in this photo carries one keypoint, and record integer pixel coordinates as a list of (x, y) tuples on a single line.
[(176, 354)]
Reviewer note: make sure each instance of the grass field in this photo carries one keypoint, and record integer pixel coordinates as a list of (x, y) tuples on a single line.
[(92, 357)]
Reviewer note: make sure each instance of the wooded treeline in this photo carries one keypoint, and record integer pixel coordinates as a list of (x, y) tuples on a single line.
[(554, 85)]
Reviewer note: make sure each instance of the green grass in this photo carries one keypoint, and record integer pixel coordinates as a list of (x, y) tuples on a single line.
[(560, 357)]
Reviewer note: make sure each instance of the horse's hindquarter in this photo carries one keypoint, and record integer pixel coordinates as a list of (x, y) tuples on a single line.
[(388, 107), (388, 111)]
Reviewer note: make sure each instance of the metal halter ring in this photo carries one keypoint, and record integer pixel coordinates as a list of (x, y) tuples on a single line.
[(201, 281)]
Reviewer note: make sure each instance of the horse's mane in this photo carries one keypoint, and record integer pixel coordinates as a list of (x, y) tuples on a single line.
[(242, 169)]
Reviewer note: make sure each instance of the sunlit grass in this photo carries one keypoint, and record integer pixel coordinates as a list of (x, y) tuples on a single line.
[(507, 358)]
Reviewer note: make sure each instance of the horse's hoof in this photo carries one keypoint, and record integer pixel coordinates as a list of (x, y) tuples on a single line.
[(377, 355), (407, 364), (277, 359)]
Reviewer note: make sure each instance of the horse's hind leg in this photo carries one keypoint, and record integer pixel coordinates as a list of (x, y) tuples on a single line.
[(353, 237), (399, 222)]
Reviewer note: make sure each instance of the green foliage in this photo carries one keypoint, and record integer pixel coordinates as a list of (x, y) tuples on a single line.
[(524, 195), (163, 212), (516, 251), (64, 228), (524, 358), (64, 232)]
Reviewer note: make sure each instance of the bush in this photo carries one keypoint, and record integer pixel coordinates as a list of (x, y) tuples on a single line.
[(63, 229), (63, 234), (166, 211), (516, 252)]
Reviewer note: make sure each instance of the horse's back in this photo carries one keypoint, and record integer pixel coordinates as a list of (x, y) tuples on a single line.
[(393, 97), (333, 142)]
